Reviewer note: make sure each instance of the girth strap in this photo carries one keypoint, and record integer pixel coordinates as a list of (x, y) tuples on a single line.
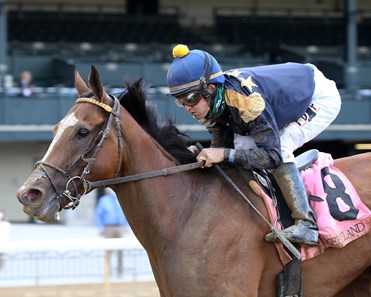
[(162, 172)]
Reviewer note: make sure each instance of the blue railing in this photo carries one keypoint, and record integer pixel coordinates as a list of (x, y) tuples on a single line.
[(33, 118)]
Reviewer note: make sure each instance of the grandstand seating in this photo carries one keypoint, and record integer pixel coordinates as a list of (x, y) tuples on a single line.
[(141, 44), (95, 27), (258, 33), (265, 33)]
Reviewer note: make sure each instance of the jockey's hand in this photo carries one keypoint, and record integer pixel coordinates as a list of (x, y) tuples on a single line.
[(211, 156)]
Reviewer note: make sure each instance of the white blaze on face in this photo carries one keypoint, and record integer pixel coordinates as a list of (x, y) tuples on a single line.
[(68, 121)]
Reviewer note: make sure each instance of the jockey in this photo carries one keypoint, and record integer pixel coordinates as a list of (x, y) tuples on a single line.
[(257, 118)]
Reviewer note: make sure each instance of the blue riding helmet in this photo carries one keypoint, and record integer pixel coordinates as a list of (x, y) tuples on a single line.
[(187, 68)]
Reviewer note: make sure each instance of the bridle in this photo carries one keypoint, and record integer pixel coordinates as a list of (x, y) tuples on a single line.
[(93, 150)]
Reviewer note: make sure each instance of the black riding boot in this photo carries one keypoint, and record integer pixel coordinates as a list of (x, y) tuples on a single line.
[(305, 230)]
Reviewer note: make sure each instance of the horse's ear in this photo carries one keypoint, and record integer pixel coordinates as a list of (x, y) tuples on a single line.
[(96, 84), (80, 85)]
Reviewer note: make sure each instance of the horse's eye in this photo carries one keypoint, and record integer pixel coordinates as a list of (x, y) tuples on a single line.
[(82, 133)]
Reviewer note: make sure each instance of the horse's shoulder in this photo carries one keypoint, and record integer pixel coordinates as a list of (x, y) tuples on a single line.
[(238, 176)]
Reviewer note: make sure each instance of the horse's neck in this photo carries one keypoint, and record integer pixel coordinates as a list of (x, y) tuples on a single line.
[(141, 151), (147, 202)]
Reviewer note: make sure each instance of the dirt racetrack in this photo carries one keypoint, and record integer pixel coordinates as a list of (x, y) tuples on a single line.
[(135, 289)]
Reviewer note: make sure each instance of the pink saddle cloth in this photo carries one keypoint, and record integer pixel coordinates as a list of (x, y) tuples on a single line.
[(341, 215)]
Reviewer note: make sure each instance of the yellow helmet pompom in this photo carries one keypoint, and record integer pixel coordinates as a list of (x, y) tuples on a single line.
[(180, 51)]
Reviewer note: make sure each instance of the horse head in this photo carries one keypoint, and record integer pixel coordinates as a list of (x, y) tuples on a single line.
[(81, 143)]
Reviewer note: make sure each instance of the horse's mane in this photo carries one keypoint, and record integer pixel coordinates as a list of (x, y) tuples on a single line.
[(134, 100)]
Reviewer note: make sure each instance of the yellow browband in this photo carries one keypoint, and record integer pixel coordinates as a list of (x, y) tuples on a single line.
[(106, 107)]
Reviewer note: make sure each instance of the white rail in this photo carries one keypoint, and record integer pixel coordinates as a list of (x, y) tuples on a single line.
[(73, 261), (95, 244)]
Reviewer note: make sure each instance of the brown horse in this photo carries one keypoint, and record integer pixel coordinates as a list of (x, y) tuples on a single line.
[(202, 239)]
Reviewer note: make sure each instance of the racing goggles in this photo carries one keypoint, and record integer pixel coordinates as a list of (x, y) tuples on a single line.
[(189, 99)]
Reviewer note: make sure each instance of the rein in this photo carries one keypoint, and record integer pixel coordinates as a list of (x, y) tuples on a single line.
[(162, 172)]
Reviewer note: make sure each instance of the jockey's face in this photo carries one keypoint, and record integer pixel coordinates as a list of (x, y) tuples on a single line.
[(194, 103), (199, 110)]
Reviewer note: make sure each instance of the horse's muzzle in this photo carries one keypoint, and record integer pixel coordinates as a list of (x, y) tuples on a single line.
[(36, 205)]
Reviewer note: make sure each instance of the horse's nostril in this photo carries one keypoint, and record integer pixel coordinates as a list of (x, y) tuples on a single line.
[(31, 195)]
